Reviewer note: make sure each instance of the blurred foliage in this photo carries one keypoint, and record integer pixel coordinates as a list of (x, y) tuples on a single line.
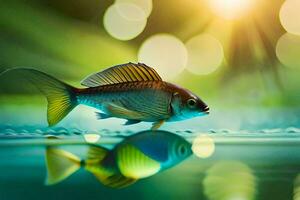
[(35, 36), (67, 39)]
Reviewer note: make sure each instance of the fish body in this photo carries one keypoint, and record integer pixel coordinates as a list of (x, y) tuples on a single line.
[(129, 91), (138, 156), (149, 100)]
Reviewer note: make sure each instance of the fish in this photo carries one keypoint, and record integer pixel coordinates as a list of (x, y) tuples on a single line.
[(130, 91), (138, 156)]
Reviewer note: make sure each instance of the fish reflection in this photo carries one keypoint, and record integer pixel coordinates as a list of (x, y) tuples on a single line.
[(138, 156)]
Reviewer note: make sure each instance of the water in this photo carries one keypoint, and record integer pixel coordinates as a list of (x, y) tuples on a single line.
[(256, 159)]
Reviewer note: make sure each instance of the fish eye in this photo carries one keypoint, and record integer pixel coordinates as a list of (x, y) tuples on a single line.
[(182, 150), (191, 103)]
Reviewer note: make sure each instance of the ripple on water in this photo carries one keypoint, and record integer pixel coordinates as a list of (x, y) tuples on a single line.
[(8, 130)]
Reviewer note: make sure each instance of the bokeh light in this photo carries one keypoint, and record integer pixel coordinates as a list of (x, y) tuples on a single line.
[(229, 180), (297, 188), (124, 21), (203, 146), (288, 50), (126, 11), (205, 54), (290, 16), (165, 53), (145, 5), (231, 9), (91, 137)]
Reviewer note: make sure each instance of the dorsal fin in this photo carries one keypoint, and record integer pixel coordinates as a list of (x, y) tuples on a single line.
[(129, 72)]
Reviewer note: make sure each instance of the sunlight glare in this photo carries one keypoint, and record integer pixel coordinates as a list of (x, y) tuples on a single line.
[(231, 9), (205, 54)]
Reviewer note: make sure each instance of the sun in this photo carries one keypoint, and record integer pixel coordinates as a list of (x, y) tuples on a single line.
[(231, 9)]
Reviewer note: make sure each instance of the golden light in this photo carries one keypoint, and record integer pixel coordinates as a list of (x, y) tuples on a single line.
[(91, 138), (288, 50), (124, 21), (231, 9), (165, 53), (205, 54), (290, 16), (145, 5), (203, 146), (229, 180)]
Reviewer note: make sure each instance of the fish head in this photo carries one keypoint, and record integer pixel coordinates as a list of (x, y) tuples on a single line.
[(178, 150), (186, 104)]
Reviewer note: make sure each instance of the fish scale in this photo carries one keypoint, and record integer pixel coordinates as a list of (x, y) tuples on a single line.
[(150, 98)]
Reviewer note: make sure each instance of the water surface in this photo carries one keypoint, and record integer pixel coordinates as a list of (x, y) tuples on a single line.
[(255, 160)]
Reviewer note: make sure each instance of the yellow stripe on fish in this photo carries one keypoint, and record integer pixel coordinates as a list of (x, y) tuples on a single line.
[(134, 164)]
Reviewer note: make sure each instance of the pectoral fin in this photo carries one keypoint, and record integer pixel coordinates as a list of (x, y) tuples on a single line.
[(157, 124), (106, 175), (96, 153), (115, 181), (131, 121), (109, 176), (102, 115), (118, 111)]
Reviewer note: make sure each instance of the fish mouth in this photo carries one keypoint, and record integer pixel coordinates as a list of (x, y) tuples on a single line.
[(206, 110)]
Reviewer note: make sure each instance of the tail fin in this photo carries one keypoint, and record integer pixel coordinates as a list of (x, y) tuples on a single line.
[(60, 165), (60, 96)]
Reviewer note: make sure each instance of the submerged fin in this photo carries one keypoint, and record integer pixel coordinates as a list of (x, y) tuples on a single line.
[(60, 96), (60, 165), (115, 180), (122, 112), (102, 115), (109, 177), (157, 125), (131, 121), (106, 175), (96, 153), (129, 72)]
